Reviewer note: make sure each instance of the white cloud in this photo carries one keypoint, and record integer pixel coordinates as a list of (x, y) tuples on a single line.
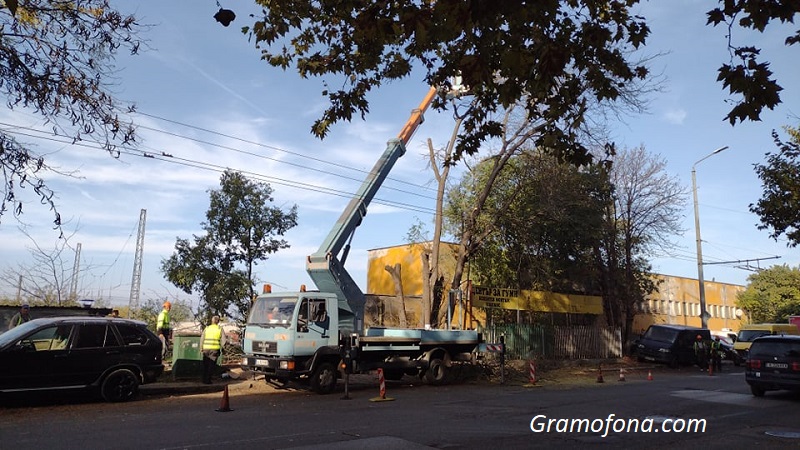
[(675, 116)]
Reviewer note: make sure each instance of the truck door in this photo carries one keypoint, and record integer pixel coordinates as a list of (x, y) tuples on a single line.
[(313, 326)]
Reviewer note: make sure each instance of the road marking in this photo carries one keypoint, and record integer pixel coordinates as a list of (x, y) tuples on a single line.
[(729, 398)]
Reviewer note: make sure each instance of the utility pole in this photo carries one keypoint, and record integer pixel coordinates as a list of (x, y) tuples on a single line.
[(73, 290), (136, 281)]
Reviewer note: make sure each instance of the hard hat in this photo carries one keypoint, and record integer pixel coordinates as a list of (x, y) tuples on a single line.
[(167, 305)]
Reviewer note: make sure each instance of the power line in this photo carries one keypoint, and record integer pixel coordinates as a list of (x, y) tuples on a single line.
[(166, 157)]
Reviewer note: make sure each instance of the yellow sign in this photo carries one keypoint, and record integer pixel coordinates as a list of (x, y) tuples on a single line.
[(484, 297)]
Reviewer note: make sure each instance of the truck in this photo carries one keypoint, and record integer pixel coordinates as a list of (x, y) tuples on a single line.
[(314, 336)]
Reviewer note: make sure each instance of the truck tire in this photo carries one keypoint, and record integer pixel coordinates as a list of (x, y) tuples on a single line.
[(323, 380), (436, 373), (119, 386)]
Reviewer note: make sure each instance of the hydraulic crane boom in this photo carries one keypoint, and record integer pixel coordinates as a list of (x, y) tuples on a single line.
[(325, 266)]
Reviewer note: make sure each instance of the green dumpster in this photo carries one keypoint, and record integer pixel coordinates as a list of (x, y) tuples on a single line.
[(187, 356)]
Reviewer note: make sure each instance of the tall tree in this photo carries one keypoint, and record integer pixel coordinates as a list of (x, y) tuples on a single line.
[(565, 54), (56, 58), (241, 229), (779, 205), (644, 217), (772, 295)]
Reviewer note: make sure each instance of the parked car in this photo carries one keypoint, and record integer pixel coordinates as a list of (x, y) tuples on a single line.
[(750, 332), (106, 355), (773, 363), (671, 344)]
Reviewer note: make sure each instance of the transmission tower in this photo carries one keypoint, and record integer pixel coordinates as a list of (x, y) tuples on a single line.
[(136, 281), (73, 289)]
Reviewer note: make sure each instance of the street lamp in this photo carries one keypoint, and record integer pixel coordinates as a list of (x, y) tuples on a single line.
[(700, 281)]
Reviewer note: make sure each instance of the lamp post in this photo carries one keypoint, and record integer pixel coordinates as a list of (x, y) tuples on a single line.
[(700, 281)]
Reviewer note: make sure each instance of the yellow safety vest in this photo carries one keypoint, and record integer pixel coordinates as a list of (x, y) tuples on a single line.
[(163, 320), (211, 337)]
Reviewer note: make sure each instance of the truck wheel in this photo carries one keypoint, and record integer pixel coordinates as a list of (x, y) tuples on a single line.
[(119, 386), (436, 373), (324, 379)]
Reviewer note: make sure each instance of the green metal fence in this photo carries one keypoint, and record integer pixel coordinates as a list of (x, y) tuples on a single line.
[(556, 342)]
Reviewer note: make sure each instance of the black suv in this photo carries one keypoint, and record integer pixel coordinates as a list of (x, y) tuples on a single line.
[(111, 356), (773, 363)]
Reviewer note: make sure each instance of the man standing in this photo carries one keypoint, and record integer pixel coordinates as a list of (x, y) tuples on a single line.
[(213, 340), (21, 317), (163, 329), (701, 353), (716, 355)]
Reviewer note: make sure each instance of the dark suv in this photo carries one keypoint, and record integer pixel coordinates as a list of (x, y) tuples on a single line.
[(111, 356), (773, 363)]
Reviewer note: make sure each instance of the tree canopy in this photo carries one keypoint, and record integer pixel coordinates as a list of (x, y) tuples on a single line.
[(241, 230), (56, 58), (779, 205), (562, 55), (772, 295)]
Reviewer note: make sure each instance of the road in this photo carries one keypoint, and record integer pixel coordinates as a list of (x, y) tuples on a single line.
[(462, 416)]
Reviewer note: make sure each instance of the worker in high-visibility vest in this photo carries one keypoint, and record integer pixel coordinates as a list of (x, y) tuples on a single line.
[(212, 339), (163, 328), (21, 317)]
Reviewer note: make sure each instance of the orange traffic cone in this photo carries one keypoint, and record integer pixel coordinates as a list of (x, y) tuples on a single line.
[(621, 374), (599, 373), (649, 376), (225, 405)]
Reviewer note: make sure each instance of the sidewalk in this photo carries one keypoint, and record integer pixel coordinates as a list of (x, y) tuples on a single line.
[(166, 385)]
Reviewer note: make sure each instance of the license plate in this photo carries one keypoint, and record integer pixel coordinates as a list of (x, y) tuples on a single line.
[(262, 362), (777, 365)]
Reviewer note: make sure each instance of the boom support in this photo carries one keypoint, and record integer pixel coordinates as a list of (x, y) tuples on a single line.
[(324, 266)]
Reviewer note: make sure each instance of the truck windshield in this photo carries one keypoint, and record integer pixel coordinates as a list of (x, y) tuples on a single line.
[(751, 335), (272, 311)]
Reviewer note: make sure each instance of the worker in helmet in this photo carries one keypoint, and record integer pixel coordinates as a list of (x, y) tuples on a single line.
[(701, 353), (163, 329)]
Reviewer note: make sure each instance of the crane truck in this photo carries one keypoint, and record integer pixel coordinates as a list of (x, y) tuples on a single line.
[(313, 336)]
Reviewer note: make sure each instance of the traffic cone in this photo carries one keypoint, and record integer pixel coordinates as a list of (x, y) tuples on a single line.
[(225, 405), (711, 369), (382, 392), (649, 376), (621, 374), (599, 373)]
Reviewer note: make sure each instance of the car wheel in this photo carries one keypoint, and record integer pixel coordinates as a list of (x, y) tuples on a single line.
[(119, 386), (436, 373), (757, 391), (323, 381)]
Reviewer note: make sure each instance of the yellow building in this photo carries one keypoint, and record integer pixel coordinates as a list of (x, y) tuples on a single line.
[(676, 302)]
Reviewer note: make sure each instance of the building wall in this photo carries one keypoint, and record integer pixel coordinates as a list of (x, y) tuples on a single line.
[(676, 302)]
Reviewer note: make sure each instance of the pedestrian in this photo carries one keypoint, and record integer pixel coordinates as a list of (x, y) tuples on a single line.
[(701, 353), (716, 354), (21, 317), (213, 339), (163, 328), (115, 313)]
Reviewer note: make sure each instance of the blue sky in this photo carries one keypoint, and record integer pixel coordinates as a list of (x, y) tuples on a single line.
[(245, 115)]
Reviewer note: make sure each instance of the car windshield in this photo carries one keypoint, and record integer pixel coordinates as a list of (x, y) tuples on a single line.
[(16, 333), (661, 334), (272, 311), (750, 335)]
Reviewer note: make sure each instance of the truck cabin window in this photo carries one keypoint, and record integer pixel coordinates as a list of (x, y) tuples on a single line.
[(272, 311)]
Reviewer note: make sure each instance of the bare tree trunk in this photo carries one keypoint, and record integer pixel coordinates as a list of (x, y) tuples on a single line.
[(425, 318), (398, 291)]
